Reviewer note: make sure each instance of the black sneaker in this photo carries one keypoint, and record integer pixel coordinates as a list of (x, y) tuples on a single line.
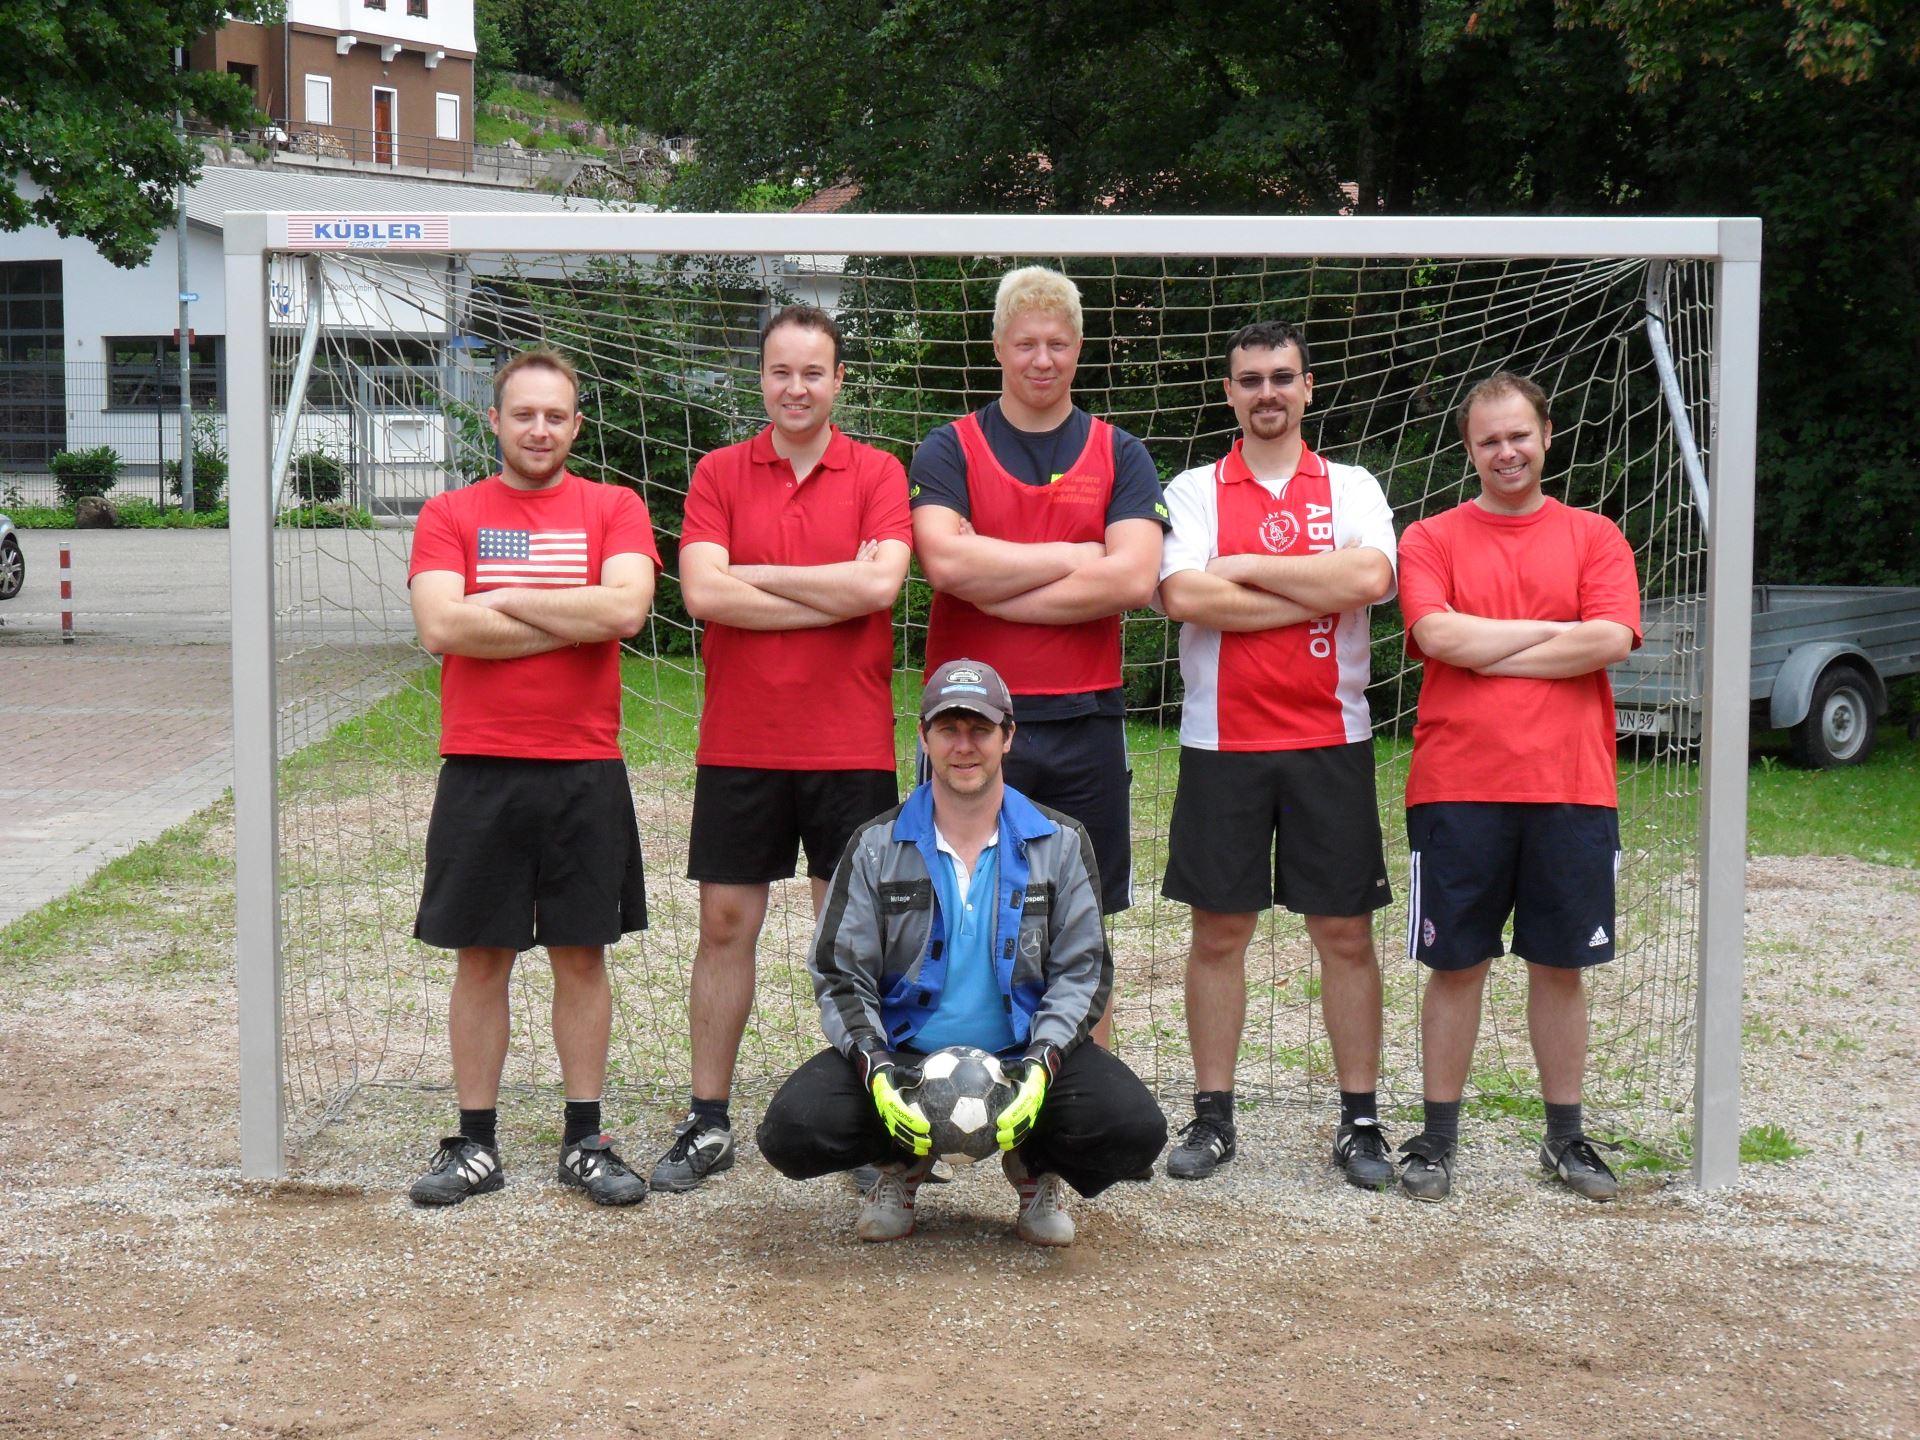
[(1428, 1162), (695, 1154), (460, 1168), (591, 1165), (1577, 1162), (1364, 1152), (1206, 1146)]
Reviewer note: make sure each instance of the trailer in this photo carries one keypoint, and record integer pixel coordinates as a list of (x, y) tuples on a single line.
[(1821, 659)]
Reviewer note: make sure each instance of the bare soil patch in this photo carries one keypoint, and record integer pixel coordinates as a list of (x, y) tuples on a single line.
[(145, 1290)]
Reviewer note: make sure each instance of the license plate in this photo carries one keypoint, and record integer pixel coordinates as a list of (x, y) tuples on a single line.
[(1640, 722)]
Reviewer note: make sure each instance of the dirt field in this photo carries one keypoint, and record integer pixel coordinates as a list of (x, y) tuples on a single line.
[(145, 1291)]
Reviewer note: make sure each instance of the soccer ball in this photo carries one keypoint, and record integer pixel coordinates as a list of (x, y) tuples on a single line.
[(963, 1090)]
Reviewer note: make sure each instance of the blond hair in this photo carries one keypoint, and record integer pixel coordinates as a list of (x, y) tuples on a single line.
[(1034, 287)]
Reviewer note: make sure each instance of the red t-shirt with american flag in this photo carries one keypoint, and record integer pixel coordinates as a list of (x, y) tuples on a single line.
[(565, 704)]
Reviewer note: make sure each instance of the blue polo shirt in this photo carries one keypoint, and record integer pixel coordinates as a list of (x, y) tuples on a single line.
[(971, 1009)]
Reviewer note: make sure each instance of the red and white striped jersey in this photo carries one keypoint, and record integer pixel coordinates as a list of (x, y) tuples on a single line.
[(1298, 686)]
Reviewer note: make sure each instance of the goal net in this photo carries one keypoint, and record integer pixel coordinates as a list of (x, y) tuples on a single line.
[(378, 365)]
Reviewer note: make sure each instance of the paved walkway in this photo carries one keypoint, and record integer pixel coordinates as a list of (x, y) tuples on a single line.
[(110, 741)]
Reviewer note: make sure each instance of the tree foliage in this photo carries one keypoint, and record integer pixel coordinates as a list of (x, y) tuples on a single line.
[(87, 99), (1804, 112)]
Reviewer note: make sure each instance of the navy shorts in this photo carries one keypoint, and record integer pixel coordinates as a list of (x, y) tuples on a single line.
[(749, 824), (531, 852), (1299, 825), (1474, 863)]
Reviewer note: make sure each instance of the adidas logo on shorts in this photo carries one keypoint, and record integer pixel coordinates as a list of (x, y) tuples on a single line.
[(1598, 938)]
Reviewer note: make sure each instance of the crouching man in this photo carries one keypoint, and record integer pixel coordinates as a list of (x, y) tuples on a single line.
[(967, 915)]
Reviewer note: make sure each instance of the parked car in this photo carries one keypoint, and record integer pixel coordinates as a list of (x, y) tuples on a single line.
[(13, 565)]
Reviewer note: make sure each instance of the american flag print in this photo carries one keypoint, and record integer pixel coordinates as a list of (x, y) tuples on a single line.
[(531, 557)]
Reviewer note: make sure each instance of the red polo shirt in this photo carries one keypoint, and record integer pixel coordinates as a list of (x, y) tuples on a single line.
[(818, 699)]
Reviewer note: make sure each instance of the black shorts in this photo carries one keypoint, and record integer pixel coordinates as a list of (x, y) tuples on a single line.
[(1299, 826), (749, 824), (1079, 767), (1552, 867), (531, 852)]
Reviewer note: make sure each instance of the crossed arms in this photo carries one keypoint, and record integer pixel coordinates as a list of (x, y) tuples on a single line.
[(1054, 582), (1533, 649), (517, 620), (790, 597), (1265, 592)]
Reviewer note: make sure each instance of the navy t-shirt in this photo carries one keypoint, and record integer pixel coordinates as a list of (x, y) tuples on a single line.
[(1038, 457)]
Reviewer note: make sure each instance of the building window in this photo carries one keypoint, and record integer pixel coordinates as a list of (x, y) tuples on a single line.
[(417, 9), (33, 395), (373, 4), (319, 100), (446, 116), (143, 372)]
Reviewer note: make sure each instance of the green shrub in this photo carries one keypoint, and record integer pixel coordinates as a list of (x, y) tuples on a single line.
[(80, 473), (328, 515), (209, 466), (317, 478), (142, 514)]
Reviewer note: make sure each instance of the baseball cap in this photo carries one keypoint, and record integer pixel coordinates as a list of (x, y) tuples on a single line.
[(970, 685)]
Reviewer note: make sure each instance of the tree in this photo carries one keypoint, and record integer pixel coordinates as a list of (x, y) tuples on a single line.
[(1804, 112), (87, 99)]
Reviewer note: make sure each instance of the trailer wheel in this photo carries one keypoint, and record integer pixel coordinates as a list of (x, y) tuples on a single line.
[(1838, 729)]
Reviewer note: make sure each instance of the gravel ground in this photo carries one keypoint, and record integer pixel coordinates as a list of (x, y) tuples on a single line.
[(145, 1290)]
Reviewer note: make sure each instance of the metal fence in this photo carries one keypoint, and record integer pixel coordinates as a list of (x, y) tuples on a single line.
[(132, 410), (393, 441)]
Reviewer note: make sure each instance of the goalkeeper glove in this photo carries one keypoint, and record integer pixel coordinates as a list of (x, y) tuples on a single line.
[(889, 1083), (1036, 1071)]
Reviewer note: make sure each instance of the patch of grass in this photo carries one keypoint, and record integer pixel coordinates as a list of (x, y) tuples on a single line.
[(1768, 1145), (1638, 1156), (1869, 812), (1501, 1094), (174, 887)]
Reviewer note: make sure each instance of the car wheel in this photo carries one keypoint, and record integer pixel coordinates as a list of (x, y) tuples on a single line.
[(1838, 729), (13, 568)]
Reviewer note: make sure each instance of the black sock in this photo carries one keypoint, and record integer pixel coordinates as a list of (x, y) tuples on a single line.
[(1214, 1105), (481, 1126), (1563, 1121), (712, 1114), (1358, 1105), (582, 1120), (1442, 1120)]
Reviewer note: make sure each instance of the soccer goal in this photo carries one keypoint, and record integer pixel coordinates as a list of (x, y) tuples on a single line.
[(360, 356)]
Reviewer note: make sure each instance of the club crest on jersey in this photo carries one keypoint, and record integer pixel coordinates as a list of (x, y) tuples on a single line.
[(1278, 532)]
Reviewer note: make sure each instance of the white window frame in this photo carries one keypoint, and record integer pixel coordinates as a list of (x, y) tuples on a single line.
[(324, 84), (442, 101)]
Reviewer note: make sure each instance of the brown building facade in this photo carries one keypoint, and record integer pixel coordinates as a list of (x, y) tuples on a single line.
[(353, 97)]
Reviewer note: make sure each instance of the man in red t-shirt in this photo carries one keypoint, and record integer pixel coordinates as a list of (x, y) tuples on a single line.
[(1274, 558), (1517, 604), (525, 583), (795, 544)]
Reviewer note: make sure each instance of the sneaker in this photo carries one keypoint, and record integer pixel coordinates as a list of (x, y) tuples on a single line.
[(1428, 1172), (460, 1168), (694, 1155), (591, 1165), (886, 1213), (862, 1177), (1577, 1162), (1206, 1146), (1043, 1218), (1364, 1152)]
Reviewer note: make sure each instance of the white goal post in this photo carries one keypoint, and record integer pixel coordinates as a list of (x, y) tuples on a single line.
[(1446, 278)]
